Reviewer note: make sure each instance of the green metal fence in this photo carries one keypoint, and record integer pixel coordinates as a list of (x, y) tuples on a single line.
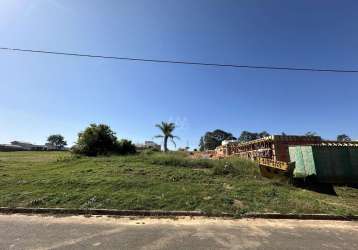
[(330, 164)]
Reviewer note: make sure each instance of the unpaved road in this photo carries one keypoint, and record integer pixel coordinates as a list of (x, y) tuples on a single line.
[(78, 232)]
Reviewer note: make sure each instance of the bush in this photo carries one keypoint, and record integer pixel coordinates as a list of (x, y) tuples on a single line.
[(149, 151), (67, 158), (96, 140), (125, 147), (101, 140), (225, 169)]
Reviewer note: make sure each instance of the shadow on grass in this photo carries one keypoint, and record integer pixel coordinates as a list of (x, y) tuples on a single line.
[(353, 186), (313, 185)]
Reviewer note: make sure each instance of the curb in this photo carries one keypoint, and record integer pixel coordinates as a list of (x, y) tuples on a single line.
[(301, 216), (114, 212), (160, 213)]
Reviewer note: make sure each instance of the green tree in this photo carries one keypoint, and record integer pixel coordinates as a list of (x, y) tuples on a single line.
[(310, 133), (201, 144), (249, 136), (343, 138), (96, 140), (57, 140), (263, 134), (213, 139), (167, 129), (125, 147)]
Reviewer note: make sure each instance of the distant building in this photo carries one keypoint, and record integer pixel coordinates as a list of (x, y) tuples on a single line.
[(9, 147), (152, 144), (148, 144), (29, 146)]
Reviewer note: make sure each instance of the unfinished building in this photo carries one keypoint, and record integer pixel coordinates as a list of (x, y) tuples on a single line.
[(274, 154), (274, 147)]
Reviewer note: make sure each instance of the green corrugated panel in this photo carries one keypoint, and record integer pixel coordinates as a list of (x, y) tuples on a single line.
[(330, 164), (333, 164), (323, 161), (353, 154), (307, 154), (296, 156), (344, 165), (304, 162)]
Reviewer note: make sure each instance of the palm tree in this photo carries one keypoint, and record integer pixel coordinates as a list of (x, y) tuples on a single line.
[(167, 129)]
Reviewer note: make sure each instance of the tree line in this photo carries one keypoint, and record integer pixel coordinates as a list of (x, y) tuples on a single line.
[(212, 139), (102, 140)]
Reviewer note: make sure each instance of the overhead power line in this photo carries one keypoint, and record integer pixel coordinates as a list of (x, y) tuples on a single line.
[(181, 62)]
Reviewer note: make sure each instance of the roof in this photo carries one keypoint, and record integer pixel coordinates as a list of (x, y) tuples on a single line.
[(10, 146), (288, 138), (23, 142)]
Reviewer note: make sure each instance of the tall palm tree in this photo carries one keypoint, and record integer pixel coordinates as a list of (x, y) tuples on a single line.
[(167, 129)]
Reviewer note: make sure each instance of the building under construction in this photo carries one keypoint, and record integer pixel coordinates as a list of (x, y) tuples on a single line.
[(299, 156)]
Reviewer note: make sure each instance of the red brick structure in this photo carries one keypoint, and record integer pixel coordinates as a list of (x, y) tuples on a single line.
[(274, 147), (272, 152)]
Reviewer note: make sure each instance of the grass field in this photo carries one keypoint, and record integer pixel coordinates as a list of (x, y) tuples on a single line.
[(156, 181)]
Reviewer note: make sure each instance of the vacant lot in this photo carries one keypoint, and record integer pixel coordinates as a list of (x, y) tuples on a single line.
[(156, 181)]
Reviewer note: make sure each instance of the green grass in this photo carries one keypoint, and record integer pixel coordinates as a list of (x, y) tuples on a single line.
[(156, 181)]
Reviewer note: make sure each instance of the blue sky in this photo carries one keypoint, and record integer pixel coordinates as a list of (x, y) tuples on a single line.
[(44, 94)]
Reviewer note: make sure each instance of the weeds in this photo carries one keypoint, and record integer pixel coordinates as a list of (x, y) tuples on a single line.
[(157, 181), (225, 169), (68, 158), (179, 160)]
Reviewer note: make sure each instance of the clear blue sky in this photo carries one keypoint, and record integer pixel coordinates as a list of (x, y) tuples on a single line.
[(44, 94)]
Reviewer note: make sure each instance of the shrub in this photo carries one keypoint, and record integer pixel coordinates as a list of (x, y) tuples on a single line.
[(225, 169), (125, 147), (96, 140), (236, 166), (149, 151), (180, 159), (101, 140), (67, 158)]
